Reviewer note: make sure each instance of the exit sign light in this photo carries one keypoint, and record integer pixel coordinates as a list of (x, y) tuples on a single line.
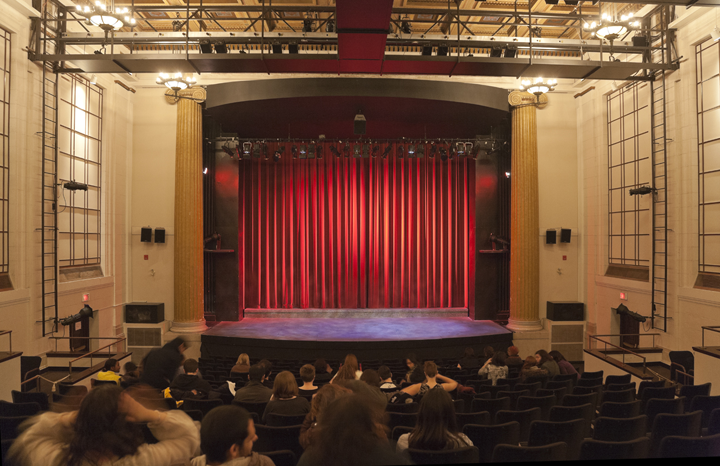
[(623, 296)]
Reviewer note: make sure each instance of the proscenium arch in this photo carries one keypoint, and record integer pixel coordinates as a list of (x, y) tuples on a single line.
[(281, 88)]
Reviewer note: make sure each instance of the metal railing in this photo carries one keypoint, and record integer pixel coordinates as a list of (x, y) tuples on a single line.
[(9, 334), (92, 353), (624, 350), (82, 338), (715, 329)]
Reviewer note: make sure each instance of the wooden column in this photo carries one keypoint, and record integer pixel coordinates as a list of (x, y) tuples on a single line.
[(189, 280), (524, 223)]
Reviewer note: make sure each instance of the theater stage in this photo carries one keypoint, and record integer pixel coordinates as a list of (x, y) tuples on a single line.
[(368, 338)]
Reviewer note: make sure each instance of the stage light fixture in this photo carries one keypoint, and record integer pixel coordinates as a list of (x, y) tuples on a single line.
[(510, 52), (375, 151), (276, 48), (421, 150), (278, 154), (75, 186), (227, 150), (265, 150), (496, 52), (311, 150), (307, 25), (387, 151), (330, 26), (86, 311), (442, 50), (427, 50), (642, 190), (303, 151), (294, 151), (293, 48), (411, 150), (205, 46), (334, 151), (469, 148), (460, 148), (247, 148), (221, 47), (346, 149), (443, 153), (256, 150), (356, 151), (318, 151), (433, 151), (400, 151), (405, 26)]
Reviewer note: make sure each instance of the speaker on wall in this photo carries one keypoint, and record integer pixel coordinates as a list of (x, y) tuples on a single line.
[(145, 235), (550, 237), (144, 313), (565, 311), (565, 235), (159, 235)]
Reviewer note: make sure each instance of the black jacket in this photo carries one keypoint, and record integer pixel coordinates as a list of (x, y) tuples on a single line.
[(182, 386), (161, 364)]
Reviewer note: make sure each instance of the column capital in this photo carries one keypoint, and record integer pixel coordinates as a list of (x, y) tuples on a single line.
[(523, 99), (197, 93)]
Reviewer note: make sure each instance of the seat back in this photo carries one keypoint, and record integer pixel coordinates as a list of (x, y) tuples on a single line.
[(713, 426), (577, 400), (274, 419), (532, 387), (401, 419), (257, 408), (9, 426), (680, 360), (463, 455), (617, 379), (31, 397), (272, 438), (706, 404), (547, 432), (655, 406), (674, 446), (620, 396), (399, 431), (591, 449), (620, 410), (554, 384), (647, 384), (525, 418), (585, 412), (616, 387), (612, 429), (584, 382), (559, 393), (516, 454), (480, 418), (591, 375), (544, 403), (667, 393), (402, 407), (492, 405), (510, 381), (487, 437), (691, 391), (8, 409), (684, 425), (563, 377), (513, 395), (201, 405)]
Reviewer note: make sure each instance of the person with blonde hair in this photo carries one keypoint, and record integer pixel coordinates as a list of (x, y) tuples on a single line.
[(242, 366), (285, 399)]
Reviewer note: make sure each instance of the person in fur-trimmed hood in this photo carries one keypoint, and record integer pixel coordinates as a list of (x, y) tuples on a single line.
[(227, 435)]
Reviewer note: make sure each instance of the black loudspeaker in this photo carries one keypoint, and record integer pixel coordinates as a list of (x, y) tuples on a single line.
[(565, 235), (565, 311), (159, 235), (640, 41), (146, 235), (359, 124), (550, 237), (144, 313)]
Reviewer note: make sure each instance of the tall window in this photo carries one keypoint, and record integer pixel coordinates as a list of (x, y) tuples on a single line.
[(708, 103), (79, 159), (629, 162), (4, 154)]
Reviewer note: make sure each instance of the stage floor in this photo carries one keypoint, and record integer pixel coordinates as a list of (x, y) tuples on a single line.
[(369, 329), (375, 338)]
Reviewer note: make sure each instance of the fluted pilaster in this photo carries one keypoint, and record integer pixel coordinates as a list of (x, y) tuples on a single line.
[(524, 221), (189, 281)]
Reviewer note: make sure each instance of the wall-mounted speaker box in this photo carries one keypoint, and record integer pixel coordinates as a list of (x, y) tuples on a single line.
[(145, 235), (565, 311), (159, 235), (359, 124), (550, 237), (565, 234), (144, 313), (640, 41)]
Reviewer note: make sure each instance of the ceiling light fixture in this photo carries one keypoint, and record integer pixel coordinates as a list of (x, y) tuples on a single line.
[(177, 82), (106, 18), (538, 86), (610, 27)]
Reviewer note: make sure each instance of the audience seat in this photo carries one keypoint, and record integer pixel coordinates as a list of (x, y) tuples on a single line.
[(612, 429), (68, 389), (620, 410), (399, 431), (617, 379), (648, 383), (713, 423), (201, 405), (513, 395), (666, 393), (532, 387), (665, 425), (480, 418), (8, 409), (564, 377), (706, 404), (402, 407), (589, 382), (691, 391), (546, 433), (620, 396), (544, 403), (31, 397), (463, 455), (282, 457), (555, 384), (517, 454), (525, 418), (195, 414), (601, 450), (492, 405), (585, 412), (617, 387), (509, 381), (558, 393), (401, 419), (657, 406), (278, 420), (494, 389), (597, 390), (674, 446), (257, 408), (577, 400), (486, 438), (278, 438), (591, 375), (9, 425)]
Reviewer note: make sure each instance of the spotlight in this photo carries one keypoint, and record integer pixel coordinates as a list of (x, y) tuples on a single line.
[(205, 171), (278, 154), (496, 52), (205, 46), (400, 151), (460, 148), (427, 50), (220, 47), (507, 174), (303, 151), (510, 52), (346, 149), (177, 25), (227, 150), (334, 151), (642, 190), (421, 150), (330, 26), (433, 151), (293, 48), (307, 25), (442, 51), (411, 150), (265, 151), (247, 147), (375, 151), (277, 48), (294, 151), (256, 150), (356, 151), (443, 153), (75, 186), (318, 151), (469, 148), (387, 151), (405, 26), (86, 311)]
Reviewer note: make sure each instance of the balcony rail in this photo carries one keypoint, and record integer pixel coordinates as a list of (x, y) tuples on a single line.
[(625, 351)]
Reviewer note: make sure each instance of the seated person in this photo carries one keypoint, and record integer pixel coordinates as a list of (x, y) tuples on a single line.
[(386, 378), (242, 366), (545, 361), (131, 376), (111, 371), (497, 368), (565, 366), (307, 374), (436, 427), (254, 391), (285, 399), (433, 381), (227, 435), (469, 359), (513, 361), (323, 371), (530, 369), (189, 385), (268, 373)]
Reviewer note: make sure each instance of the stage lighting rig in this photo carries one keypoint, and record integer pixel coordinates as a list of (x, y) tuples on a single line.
[(278, 153), (334, 151), (387, 151), (443, 153), (400, 151), (227, 150), (318, 151), (623, 310), (346, 149), (411, 150), (642, 190), (247, 148), (433, 151), (86, 311), (375, 151), (294, 151), (75, 186)]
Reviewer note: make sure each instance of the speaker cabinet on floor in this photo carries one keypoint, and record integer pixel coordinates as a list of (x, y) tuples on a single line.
[(144, 313), (565, 311)]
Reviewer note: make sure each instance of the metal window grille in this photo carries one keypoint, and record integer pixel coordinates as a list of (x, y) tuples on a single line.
[(79, 159), (4, 150), (629, 166), (708, 113)]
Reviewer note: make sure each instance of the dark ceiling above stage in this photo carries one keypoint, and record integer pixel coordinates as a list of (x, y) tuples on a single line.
[(387, 118)]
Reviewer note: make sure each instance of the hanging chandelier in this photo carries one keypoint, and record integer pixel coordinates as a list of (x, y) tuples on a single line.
[(611, 27), (538, 86), (105, 17), (176, 82)]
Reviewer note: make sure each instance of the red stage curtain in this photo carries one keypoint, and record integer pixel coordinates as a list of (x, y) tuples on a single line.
[(355, 232)]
